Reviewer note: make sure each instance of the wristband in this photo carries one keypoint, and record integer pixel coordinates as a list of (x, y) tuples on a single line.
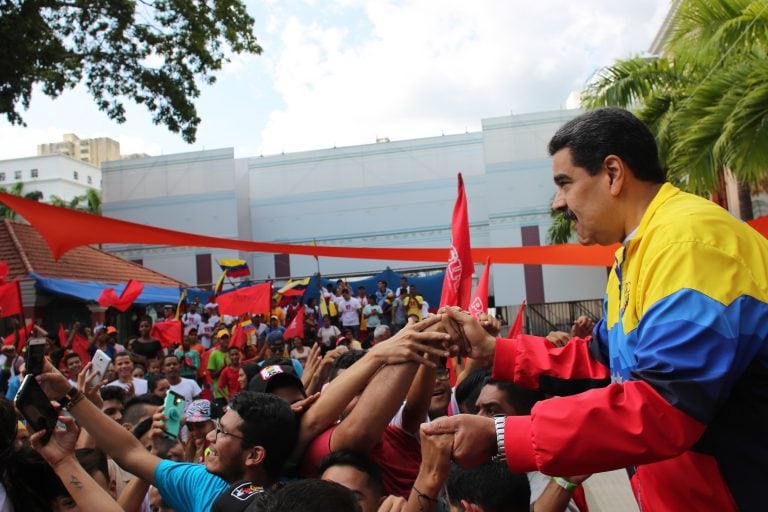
[(565, 483), (501, 452), (71, 398)]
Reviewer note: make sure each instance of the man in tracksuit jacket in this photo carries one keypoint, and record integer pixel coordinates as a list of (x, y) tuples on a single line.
[(673, 382)]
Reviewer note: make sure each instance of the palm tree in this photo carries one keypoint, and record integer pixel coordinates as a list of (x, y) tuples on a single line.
[(17, 189), (89, 202), (705, 98)]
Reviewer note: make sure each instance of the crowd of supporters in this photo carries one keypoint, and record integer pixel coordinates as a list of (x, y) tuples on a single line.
[(329, 419)]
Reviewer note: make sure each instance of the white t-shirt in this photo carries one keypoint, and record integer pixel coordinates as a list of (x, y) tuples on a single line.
[(5, 502), (139, 385), (328, 335), (349, 311), (191, 320), (187, 388)]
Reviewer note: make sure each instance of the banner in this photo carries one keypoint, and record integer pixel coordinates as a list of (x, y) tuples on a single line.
[(457, 285), (64, 229), (251, 299)]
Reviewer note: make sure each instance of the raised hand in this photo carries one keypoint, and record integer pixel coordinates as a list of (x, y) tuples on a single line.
[(474, 437), (477, 342), (62, 443)]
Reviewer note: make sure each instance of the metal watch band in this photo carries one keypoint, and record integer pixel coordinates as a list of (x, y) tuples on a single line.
[(499, 423)]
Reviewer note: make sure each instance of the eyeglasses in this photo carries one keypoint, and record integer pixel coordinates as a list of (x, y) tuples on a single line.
[(218, 429)]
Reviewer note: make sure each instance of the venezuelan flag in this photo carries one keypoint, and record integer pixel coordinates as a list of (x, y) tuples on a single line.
[(247, 325), (235, 268)]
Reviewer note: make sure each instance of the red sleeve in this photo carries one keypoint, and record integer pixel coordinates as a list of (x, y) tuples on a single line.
[(531, 362), (614, 427)]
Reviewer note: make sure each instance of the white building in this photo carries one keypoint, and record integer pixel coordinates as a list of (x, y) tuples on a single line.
[(94, 151), (388, 194), (58, 175)]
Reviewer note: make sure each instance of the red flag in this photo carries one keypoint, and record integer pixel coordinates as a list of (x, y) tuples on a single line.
[(239, 336), (10, 299), (296, 327), (457, 285), (22, 334), (3, 271), (80, 345), (479, 303), (250, 299), (62, 335), (517, 326), (169, 332), (131, 292)]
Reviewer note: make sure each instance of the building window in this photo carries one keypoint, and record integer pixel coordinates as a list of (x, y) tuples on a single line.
[(75, 175), (2, 176), (33, 173), (17, 175), (90, 180)]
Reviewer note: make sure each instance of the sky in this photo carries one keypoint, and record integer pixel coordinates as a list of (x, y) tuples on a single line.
[(346, 72)]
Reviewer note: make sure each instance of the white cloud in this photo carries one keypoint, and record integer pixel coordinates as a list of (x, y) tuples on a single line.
[(423, 70)]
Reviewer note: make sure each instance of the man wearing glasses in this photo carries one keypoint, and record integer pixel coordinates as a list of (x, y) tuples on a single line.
[(248, 447)]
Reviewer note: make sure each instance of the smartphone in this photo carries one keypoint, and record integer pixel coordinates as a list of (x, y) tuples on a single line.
[(35, 357), (36, 408), (173, 410), (99, 364)]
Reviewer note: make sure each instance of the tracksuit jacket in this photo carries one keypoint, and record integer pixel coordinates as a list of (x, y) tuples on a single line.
[(673, 384)]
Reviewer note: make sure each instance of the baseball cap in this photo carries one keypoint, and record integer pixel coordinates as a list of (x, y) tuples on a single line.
[(198, 411), (222, 332), (111, 329), (342, 339), (268, 377)]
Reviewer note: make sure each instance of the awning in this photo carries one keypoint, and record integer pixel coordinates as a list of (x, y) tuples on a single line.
[(90, 290)]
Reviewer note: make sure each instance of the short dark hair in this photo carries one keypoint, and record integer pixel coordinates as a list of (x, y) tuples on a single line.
[(268, 421), (344, 361), (72, 355), (360, 462), (309, 495), (122, 354), (93, 460), (166, 356), (491, 486), (469, 389), (521, 399), (594, 135), (113, 393), (136, 405)]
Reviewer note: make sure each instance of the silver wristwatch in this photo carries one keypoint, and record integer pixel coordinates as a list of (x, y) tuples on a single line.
[(501, 452)]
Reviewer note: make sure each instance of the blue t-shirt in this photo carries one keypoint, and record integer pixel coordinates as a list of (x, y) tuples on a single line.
[(187, 487)]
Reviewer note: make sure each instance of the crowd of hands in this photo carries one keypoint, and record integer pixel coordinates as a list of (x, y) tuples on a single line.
[(462, 438)]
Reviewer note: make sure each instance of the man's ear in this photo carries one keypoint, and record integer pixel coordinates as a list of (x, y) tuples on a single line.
[(616, 171), (256, 456), (470, 507)]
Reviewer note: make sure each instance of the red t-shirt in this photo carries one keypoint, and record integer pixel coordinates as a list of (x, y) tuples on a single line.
[(228, 379), (398, 454)]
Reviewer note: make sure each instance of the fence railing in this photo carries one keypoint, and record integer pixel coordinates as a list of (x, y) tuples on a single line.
[(540, 319)]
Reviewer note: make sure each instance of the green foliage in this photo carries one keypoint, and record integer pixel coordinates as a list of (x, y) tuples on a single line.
[(706, 98), (561, 229), (89, 202), (17, 189), (151, 52)]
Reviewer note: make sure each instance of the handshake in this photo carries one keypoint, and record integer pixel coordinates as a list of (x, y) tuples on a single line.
[(450, 332)]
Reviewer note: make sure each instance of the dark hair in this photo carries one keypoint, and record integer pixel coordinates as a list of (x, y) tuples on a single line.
[(268, 421), (122, 354), (135, 407), (594, 135), (360, 462), (344, 361), (310, 495), (491, 486), (469, 389), (142, 428), (93, 460), (72, 355), (520, 398), (152, 381), (8, 426), (113, 393), (169, 355)]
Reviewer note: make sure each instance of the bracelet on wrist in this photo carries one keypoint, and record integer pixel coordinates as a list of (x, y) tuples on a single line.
[(565, 483), (501, 451), (421, 495), (72, 397)]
